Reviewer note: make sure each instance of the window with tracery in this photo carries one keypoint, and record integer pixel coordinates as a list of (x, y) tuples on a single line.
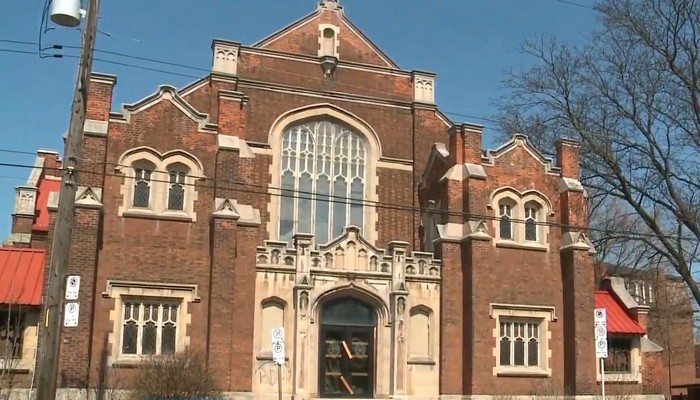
[(176, 192), (323, 169), (531, 213), (149, 327), (519, 344), (506, 220), (142, 186)]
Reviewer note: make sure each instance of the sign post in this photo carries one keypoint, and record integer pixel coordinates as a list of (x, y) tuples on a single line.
[(278, 356), (601, 343)]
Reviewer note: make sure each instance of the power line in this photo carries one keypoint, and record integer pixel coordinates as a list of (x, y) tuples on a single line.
[(378, 92), (572, 3), (217, 183)]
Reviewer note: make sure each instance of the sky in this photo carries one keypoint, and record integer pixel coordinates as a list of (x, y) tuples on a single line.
[(470, 44)]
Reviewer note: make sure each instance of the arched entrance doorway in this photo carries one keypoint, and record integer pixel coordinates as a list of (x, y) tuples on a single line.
[(346, 348)]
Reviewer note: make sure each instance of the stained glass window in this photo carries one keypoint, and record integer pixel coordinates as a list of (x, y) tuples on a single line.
[(176, 193), (323, 179), (142, 187), (149, 328), (531, 211), (506, 221), (519, 343)]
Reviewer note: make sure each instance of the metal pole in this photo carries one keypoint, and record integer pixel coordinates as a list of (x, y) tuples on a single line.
[(279, 381), (63, 231), (602, 377)]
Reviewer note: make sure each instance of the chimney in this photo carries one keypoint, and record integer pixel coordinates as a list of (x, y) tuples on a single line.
[(568, 158), (100, 99)]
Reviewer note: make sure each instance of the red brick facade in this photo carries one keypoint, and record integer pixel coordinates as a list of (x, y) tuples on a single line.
[(222, 127)]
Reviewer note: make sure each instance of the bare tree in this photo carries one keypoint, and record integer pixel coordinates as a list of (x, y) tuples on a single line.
[(11, 331), (631, 97), (185, 374)]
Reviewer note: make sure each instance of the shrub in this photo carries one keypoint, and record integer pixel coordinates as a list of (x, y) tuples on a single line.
[(182, 375)]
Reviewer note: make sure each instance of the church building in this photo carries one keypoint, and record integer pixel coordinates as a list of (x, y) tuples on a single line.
[(310, 183)]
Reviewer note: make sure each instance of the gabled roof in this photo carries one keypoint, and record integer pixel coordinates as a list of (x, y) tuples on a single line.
[(520, 140), (164, 93), (291, 33), (618, 320), (21, 276)]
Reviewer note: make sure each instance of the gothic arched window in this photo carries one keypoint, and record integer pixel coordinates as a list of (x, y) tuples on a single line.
[(323, 180)]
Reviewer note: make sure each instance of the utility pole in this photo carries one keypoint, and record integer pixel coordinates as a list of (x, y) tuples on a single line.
[(63, 231)]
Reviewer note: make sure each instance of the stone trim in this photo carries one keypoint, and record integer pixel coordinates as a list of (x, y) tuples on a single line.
[(159, 183), (38, 168), (576, 241), (85, 197), (423, 87), (95, 128), (325, 95), (545, 314), (235, 143), (336, 40), (520, 140), (460, 172), (456, 232), (117, 290), (23, 238), (518, 217), (225, 56), (570, 185), (106, 79), (245, 214), (25, 200), (169, 93)]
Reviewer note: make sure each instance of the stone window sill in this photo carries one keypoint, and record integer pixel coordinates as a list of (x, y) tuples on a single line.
[(131, 361), (421, 360), (167, 215), (127, 362), (622, 377), (534, 372), (15, 365), (511, 244)]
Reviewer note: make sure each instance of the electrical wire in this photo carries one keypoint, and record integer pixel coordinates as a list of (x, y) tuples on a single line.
[(60, 47), (218, 183), (279, 71)]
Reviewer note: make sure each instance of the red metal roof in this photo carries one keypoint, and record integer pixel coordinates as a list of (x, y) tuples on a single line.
[(46, 186), (619, 321), (21, 276)]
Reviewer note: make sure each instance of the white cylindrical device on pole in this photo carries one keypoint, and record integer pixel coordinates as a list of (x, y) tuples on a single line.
[(65, 12)]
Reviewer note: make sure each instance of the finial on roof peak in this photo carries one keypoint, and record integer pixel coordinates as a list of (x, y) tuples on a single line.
[(332, 5)]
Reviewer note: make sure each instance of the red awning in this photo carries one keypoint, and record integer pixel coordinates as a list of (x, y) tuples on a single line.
[(619, 321), (21, 276)]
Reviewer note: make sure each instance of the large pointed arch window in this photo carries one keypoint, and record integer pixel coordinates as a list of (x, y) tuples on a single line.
[(323, 180)]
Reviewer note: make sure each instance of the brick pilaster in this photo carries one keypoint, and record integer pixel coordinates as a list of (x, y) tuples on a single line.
[(243, 289), (452, 338), (222, 313), (578, 284), (76, 342), (452, 312)]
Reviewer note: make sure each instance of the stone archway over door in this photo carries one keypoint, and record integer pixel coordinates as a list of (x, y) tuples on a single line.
[(347, 348)]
